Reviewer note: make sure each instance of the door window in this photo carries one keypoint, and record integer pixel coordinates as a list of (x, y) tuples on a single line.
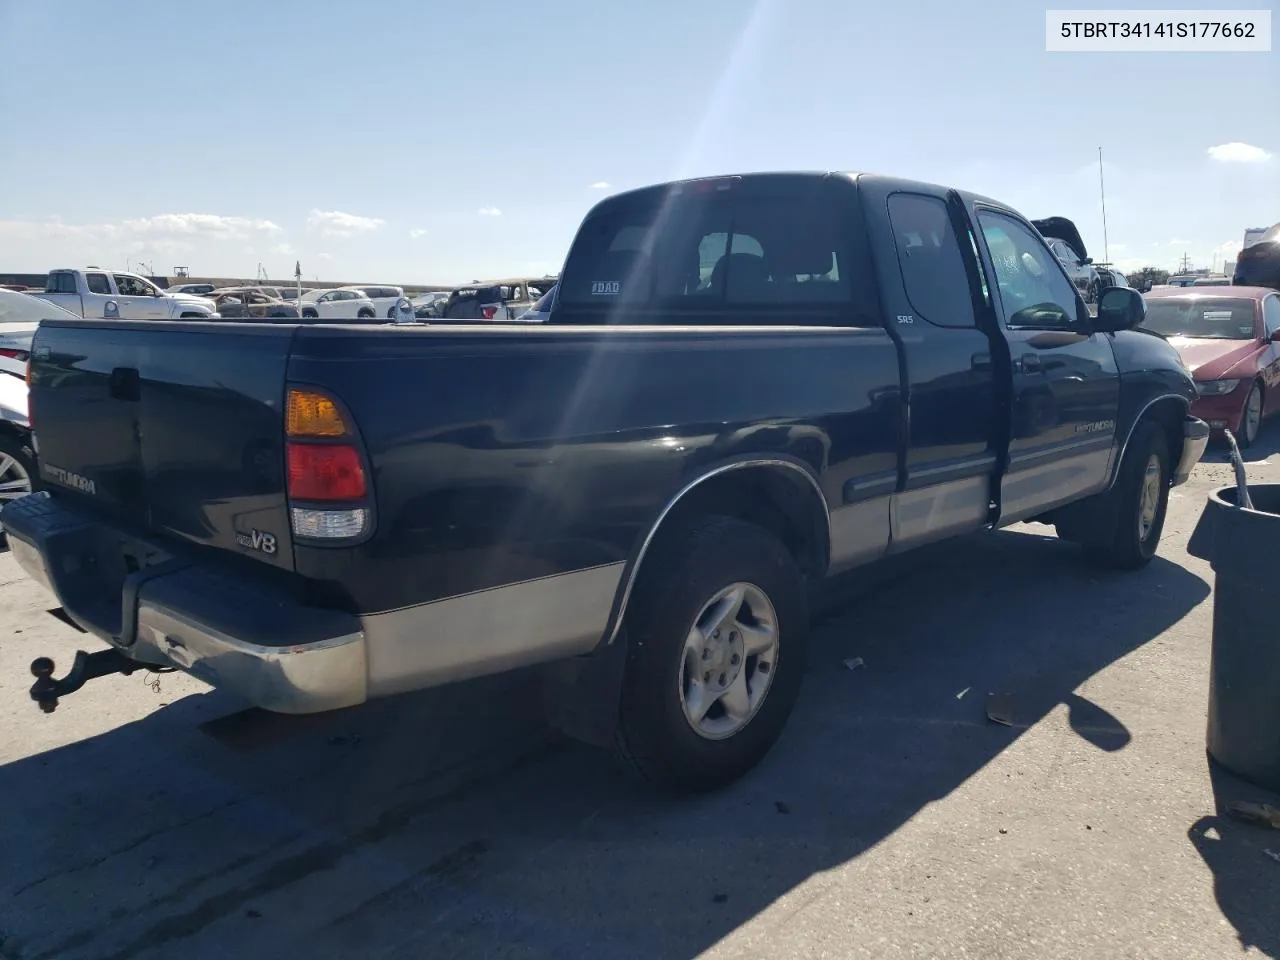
[(1032, 287), (1271, 313), (98, 283), (131, 286), (933, 273)]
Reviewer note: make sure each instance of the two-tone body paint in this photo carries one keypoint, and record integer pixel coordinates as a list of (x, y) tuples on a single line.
[(521, 472)]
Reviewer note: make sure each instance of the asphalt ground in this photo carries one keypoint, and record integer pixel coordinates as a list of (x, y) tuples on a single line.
[(894, 819)]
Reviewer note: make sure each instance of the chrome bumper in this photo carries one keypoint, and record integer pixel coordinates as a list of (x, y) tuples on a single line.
[(1195, 437), (221, 627), (325, 674)]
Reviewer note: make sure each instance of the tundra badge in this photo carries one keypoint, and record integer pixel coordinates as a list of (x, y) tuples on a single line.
[(65, 477), (257, 540)]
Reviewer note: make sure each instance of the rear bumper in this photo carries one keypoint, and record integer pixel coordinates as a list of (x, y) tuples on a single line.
[(157, 608), (1195, 437)]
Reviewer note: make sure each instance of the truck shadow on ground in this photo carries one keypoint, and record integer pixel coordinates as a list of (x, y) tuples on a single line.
[(452, 824)]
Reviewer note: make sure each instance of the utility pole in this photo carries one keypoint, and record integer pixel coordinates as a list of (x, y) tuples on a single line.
[(1102, 190)]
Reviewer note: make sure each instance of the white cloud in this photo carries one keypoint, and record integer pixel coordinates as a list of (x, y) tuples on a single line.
[(600, 185), (200, 224), (39, 244), (335, 223), (1237, 152), (1177, 243), (172, 226), (284, 249), (489, 212), (417, 232), (325, 256)]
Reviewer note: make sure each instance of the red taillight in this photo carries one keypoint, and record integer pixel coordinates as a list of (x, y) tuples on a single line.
[(489, 312), (325, 472), (13, 354)]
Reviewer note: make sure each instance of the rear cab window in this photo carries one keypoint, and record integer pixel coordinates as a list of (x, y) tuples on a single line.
[(767, 249)]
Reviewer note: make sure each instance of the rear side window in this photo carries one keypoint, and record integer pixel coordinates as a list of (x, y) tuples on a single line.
[(97, 283), (933, 272), (60, 283), (744, 252)]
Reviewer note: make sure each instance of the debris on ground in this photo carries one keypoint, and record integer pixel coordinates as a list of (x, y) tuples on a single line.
[(781, 807), (1259, 813), (960, 695), (1272, 854), (853, 663), (1000, 708), (720, 898)]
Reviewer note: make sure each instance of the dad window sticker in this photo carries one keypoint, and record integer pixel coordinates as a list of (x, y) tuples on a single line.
[(606, 288)]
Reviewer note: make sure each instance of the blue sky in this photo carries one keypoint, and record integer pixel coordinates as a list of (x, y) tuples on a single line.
[(433, 142)]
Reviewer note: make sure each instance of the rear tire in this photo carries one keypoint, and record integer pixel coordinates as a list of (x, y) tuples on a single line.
[(1138, 505), (364, 315), (676, 727), (310, 315)]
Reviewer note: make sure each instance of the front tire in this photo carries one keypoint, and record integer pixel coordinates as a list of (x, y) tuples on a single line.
[(1250, 417), (1141, 499), (364, 315), (717, 632), (19, 475), (310, 315)]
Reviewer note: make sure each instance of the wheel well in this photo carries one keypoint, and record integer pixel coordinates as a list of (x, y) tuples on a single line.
[(193, 316), (777, 499), (1169, 413)]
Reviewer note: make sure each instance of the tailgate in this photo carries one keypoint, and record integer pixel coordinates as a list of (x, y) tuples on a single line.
[(168, 428)]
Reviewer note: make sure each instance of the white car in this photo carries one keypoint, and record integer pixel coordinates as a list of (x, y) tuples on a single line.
[(20, 315), (388, 301), (194, 289), (340, 304)]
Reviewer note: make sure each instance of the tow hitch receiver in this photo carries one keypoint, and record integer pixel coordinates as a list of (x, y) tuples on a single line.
[(87, 666)]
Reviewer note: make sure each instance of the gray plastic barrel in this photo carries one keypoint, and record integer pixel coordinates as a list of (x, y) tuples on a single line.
[(1243, 547)]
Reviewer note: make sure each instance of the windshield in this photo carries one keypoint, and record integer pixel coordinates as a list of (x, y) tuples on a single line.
[(1201, 318)]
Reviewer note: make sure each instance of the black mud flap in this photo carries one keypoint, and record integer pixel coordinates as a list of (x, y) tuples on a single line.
[(581, 695)]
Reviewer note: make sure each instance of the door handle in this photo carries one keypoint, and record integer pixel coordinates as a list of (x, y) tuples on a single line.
[(125, 384), (1031, 363), (980, 361)]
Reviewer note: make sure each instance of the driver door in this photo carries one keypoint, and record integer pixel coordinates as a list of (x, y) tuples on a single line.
[(1066, 385)]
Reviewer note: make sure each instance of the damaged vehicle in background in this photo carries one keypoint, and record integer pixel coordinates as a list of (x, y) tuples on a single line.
[(1068, 246)]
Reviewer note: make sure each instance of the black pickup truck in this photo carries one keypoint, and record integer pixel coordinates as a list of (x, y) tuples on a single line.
[(746, 386)]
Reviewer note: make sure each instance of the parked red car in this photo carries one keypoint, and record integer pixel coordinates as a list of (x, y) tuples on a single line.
[(1230, 339)]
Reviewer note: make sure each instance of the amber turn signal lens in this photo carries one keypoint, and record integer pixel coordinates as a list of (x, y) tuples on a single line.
[(311, 414)]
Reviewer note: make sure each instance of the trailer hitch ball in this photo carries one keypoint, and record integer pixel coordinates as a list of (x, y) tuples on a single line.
[(43, 691)]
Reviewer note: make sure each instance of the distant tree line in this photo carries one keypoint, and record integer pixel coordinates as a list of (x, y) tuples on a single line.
[(1147, 277)]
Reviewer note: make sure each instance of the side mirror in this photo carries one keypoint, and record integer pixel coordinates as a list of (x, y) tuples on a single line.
[(1119, 308), (1275, 337), (1087, 260)]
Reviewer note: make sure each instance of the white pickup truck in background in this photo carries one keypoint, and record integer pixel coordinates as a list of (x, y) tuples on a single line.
[(97, 294)]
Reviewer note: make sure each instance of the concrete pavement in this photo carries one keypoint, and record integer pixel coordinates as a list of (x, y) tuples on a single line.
[(893, 819)]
